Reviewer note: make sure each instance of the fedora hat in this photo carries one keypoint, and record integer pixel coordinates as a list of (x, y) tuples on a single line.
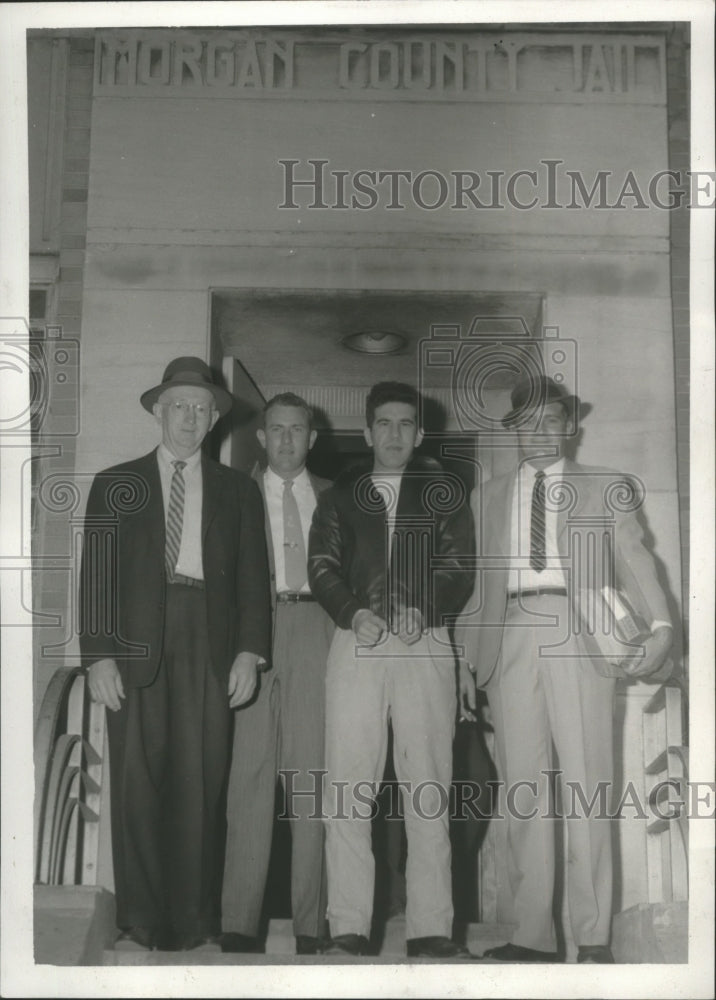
[(190, 372), (536, 391)]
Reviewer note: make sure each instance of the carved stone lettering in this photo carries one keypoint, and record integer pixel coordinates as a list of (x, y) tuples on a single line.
[(446, 66)]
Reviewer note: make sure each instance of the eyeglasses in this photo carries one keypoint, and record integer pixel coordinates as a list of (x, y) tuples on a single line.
[(183, 407)]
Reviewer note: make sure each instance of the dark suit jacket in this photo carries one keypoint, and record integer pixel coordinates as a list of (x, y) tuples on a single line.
[(123, 584), (595, 500)]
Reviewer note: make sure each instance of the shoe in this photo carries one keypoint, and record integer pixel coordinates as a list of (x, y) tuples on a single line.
[(347, 944), (595, 953), (518, 953), (136, 939), (437, 947), (230, 941), (199, 942), (307, 945)]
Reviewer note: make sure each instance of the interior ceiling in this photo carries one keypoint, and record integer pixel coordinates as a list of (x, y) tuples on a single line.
[(289, 337)]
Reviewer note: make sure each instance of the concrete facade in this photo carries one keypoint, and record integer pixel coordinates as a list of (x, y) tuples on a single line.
[(172, 187)]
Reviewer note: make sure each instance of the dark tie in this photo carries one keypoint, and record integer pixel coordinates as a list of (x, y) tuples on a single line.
[(294, 548), (538, 556), (175, 517)]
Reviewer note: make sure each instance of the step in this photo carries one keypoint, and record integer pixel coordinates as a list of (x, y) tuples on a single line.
[(73, 924), (280, 949)]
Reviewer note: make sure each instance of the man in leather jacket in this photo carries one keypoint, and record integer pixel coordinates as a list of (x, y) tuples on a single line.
[(387, 560)]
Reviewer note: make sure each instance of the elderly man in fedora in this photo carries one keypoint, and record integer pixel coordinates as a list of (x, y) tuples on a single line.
[(550, 534), (174, 623)]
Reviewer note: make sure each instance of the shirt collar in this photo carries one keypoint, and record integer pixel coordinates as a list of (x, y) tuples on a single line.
[(388, 477), (166, 458), (528, 471), (274, 481)]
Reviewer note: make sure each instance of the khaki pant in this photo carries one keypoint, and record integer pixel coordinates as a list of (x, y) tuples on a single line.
[(281, 727), (414, 687), (546, 692)]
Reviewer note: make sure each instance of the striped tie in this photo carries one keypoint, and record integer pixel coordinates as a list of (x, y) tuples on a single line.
[(538, 557), (175, 516)]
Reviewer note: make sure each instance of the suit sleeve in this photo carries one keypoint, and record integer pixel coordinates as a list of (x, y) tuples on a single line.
[(253, 601), (466, 636), (636, 569), (98, 592), (325, 576)]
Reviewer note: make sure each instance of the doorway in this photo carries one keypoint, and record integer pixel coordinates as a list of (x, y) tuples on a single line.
[(268, 341)]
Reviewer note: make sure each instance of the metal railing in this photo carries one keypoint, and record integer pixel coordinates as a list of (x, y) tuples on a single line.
[(69, 759)]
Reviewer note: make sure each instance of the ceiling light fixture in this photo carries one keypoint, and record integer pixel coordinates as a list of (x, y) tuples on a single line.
[(375, 342)]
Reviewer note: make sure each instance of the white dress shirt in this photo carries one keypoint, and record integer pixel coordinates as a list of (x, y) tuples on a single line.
[(306, 501), (521, 575), (189, 562)]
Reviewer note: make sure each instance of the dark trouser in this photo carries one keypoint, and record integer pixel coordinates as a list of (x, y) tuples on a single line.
[(168, 757), (283, 727)]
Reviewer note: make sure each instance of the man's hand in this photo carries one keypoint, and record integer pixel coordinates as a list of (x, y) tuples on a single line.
[(242, 679), (369, 629), (105, 684), (410, 625), (467, 694), (656, 649)]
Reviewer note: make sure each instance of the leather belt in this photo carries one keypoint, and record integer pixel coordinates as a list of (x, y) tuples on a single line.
[(187, 581), (290, 597), (513, 595)]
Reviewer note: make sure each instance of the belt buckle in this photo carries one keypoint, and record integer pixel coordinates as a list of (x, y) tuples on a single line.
[(187, 581), (515, 595)]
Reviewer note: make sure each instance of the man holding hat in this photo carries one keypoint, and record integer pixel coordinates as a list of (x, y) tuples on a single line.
[(554, 536), (174, 623)]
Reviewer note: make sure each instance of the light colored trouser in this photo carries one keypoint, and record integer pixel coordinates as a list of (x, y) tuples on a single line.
[(281, 728), (414, 686), (537, 697)]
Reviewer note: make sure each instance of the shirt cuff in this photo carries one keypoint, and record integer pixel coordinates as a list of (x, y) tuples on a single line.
[(658, 623)]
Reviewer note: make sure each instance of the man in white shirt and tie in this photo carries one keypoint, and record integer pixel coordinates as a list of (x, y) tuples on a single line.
[(537, 528), (281, 729)]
